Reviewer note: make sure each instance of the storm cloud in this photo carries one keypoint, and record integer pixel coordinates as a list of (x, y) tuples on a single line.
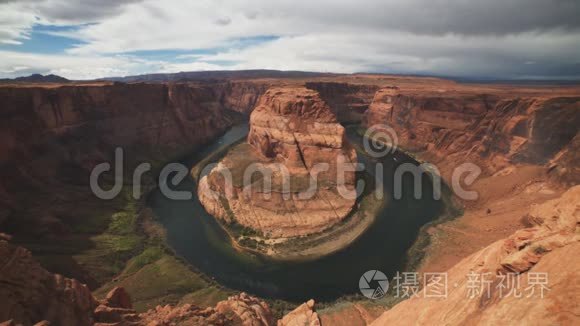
[(492, 39)]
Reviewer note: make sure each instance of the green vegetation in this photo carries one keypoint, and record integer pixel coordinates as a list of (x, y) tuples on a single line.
[(148, 256), (158, 278), (115, 245), (239, 230), (144, 266)]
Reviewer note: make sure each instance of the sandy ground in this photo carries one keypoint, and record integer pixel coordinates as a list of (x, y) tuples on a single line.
[(357, 314), (504, 201)]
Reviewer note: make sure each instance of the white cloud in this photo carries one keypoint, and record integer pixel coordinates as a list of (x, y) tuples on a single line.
[(15, 23), (454, 37), (398, 52), (15, 64)]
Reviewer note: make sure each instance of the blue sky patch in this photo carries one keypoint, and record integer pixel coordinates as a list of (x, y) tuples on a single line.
[(182, 55), (41, 40)]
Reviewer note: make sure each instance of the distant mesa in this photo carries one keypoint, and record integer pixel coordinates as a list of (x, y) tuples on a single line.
[(36, 78), (216, 75)]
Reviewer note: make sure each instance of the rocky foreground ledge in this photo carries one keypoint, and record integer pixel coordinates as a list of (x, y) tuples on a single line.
[(291, 129), (31, 295), (549, 249)]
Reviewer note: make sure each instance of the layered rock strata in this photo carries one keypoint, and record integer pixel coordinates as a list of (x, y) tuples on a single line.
[(293, 133), (348, 101), (52, 136), (490, 130), (544, 286)]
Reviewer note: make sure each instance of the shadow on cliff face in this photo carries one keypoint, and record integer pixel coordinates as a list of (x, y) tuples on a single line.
[(551, 128), (53, 137), (348, 101)]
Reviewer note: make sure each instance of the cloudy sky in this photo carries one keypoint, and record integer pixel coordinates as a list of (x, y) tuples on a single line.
[(508, 39)]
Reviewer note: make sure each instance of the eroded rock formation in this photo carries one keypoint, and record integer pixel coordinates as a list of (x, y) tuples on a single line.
[(546, 247), (491, 130), (292, 131), (30, 294), (51, 138), (348, 101), (303, 315), (240, 309)]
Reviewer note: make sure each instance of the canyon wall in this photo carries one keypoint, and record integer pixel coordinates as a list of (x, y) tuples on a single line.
[(348, 101), (50, 139), (490, 130), (242, 96), (31, 294)]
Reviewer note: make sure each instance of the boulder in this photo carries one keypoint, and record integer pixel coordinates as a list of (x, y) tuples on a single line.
[(304, 315)]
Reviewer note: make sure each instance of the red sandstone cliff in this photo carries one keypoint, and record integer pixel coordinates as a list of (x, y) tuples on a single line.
[(30, 294), (348, 101), (491, 130), (50, 138), (242, 96), (547, 247)]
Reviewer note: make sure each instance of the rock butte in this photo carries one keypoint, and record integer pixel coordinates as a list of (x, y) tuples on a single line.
[(293, 130)]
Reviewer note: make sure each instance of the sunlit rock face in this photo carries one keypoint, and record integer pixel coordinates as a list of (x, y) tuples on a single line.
[(544, 248), (494, 131), (296, 142)]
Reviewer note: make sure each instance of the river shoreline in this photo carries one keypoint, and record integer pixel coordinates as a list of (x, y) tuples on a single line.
[(313, 246), (379, 241)]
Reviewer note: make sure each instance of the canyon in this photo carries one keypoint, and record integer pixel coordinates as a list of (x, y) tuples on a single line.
[(524, 138)]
